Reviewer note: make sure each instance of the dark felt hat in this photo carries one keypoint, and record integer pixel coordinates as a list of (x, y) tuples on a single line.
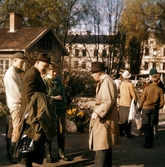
[(97, 66), (43, 57), (19, 55)]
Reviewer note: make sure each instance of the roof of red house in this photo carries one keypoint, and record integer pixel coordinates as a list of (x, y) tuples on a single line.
[(22, 38)]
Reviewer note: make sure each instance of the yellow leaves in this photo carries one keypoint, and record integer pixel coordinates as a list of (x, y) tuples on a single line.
[(80, 114), (70, 112), (76, 113)]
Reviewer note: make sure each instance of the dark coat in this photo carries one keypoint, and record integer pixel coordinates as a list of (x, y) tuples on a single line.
[(32, 82), (41, 118)]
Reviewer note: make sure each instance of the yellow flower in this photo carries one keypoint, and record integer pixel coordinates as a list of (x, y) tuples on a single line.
[(69, 112), (74, 110), (80, 114)]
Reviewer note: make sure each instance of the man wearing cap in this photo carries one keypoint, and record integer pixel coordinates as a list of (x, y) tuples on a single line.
[(152, 72), (32, 83), (104, 131), (152, 100), (13, 89)]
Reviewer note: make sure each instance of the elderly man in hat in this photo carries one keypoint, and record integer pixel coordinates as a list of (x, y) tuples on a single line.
[(32, 83), (104, 131), (13, 89)]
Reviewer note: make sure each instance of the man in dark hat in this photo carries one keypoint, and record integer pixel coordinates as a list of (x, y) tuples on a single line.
[(13, 89), (33, 82), (104, 130)]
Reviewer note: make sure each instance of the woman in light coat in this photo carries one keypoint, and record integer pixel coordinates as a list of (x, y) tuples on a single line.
[(127, 93), (104, 131)]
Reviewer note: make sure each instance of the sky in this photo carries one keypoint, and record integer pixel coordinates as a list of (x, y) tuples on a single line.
[(103, 11)]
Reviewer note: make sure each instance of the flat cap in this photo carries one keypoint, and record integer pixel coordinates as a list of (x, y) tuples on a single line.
[(19, 55)]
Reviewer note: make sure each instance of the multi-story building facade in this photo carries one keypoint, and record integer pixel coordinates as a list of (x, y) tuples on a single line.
[(84, 49), (153, 55)]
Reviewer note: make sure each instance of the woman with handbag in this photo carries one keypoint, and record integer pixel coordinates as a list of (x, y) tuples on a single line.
[(55, 91), (127, 93)]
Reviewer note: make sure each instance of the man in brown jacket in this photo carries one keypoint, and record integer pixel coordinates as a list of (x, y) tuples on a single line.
[(152, 99), (104, 131)]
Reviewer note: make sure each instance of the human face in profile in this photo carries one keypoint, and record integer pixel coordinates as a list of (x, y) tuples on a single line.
[(96, 76), (42, 66), (19, 63), (52, 74)]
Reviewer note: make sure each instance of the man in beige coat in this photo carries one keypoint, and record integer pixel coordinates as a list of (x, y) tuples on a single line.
[(104, 130)]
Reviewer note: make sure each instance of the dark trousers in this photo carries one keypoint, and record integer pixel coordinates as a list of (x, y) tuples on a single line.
[(103, 158), (61, 126), (148, 120)]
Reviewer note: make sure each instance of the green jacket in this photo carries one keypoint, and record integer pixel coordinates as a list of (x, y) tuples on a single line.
[(54, 88)]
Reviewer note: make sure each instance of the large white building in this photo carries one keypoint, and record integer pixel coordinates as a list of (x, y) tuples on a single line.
[(153, 56), (84, 49)]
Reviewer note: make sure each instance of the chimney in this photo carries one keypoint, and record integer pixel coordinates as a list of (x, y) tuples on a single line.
[(15, 22), (88, 32)]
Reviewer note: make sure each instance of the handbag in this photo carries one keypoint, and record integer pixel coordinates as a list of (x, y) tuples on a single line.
[(133, 110), (70, 126), (136, 125)]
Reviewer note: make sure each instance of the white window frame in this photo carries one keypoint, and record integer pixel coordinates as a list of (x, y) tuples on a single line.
[(4, 65)]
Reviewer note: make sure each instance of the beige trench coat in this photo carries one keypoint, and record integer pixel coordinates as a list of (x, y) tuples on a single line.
[(105, 134)]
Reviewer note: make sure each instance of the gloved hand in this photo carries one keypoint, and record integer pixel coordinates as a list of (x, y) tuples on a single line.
[(94, 115)]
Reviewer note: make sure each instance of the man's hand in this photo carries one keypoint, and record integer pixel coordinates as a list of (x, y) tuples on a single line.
[(58, 97), (94, 115)]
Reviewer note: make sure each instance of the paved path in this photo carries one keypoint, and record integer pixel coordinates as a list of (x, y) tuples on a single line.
[(129, 153)]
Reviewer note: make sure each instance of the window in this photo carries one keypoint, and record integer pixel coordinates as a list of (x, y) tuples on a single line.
[(154, 65), (76, 52), (104, 53), (146, 51), (4, 65), (83, 65), (151, 42), (164, 52), (84, 52), (45, 43), (96, 52), (163, 66), (154, 52), (146, 65), (76, 64), (65, 64)]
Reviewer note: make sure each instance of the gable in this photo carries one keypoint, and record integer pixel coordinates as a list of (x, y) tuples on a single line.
[(20, 39)]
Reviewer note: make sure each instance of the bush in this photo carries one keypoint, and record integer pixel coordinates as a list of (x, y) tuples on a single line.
[(77, 84)]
